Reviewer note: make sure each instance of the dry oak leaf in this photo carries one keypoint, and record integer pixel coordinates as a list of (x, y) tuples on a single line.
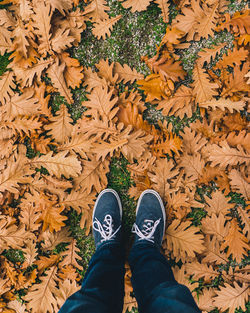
[(236, 56), (193, 165), (236, 242), (78, 144), (215, 225), (63, 6), (93, 176), (168, 69), (56, 74), (239, 184), (30, 253), (231, 297), (106, 71), (181, 103), (14, 174), (41, 297), (164, 6), (171, 145), (42, 25), (126, 74), (71, 255), (59, 164), (101, 103), (51, 217), (60, 126), (136, 145), (205, 301), (208, 54), (30, 210), (203, 88), (192, 142), (74, 21), (68, 272), (13, 236), (73, 71), (24, 104), (183, 240), (197, 21), (45, 262), (131, 143), (51, 240), (239, 22), (61, 40), (5, 40), (235, 122), (66, 289), (182, 278), (223, 104), (154, 87), (199, 270), (136, 5), (240, 138), (212, 254), (20, 43), (6, 86), (218, 203), (26, 76), (244, 216), (223, 155), (161, 174), (92, 80), (17, 306), (236, 81), (96, 10), (82, 202), (103, 28)]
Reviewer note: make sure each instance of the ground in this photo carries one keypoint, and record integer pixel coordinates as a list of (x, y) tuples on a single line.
[(135, 35)]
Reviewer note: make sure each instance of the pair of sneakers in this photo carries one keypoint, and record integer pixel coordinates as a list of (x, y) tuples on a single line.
[(149, 226)]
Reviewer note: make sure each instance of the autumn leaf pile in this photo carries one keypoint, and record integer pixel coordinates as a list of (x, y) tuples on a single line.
[(71, 159)]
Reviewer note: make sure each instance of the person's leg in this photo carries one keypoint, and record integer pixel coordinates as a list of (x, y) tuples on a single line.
[(153, 282), (154, 285), (102, 289), (103, 286)]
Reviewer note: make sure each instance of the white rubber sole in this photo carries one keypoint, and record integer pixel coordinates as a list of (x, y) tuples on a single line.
[(160, 200), (114, 193)]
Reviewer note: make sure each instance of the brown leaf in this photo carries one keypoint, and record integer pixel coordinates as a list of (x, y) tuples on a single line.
[(236, 242), (231, 297), (223, 155), (71, 256), (136, 5), (126, 74), (239, 184), (103, 28), (183, 240), (164, 6), (59, 164), (203, 88), (60, 126), (56, 74), (40, 297)]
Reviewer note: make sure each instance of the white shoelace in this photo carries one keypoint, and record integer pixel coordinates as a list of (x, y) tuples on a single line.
[(106, 230), (148, 230)]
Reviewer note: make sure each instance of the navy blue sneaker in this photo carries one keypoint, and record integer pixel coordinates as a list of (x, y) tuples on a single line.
[(107, 217), (149, 226)]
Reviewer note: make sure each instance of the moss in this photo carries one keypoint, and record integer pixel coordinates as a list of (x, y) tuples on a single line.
[(4, 61), (134, 35), (120, 180), (14, 255), (85, 243)]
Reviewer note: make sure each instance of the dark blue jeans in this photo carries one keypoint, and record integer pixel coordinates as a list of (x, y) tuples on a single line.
[(153, 282)]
